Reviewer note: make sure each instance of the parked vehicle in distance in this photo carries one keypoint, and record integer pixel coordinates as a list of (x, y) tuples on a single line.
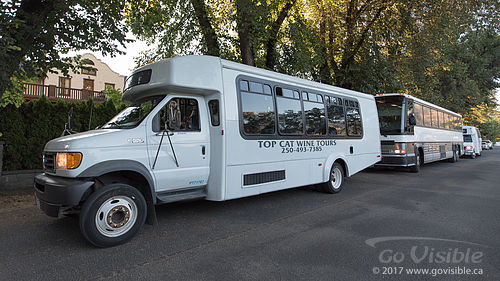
[(414, 132), (472, 141), (201, 127), (487, 144)]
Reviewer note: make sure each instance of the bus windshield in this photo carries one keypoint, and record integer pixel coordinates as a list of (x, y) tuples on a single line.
[(390, 114), (134, 114), (467, 138)]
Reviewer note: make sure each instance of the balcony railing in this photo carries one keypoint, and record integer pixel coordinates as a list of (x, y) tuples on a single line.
[(54, 93)]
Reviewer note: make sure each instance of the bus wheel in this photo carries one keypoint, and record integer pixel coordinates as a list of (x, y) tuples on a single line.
[(336, 181), (112, 215), (455, 156), (416, 168)]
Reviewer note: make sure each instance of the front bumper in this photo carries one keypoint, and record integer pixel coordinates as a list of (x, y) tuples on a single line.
[(468, 152), (54, 193), (399, 161)]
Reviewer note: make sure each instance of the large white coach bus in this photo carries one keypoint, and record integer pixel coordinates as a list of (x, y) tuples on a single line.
[(414, 132), (203, 127)]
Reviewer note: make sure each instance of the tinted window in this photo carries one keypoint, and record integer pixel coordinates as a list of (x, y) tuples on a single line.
[(417, 111), (336, 119), (390, 112), (315, 118), (434, 120), (258, 114), (441, 119), (289, 114), (139, 78), (427, 116), (213, 106), (353, 116)]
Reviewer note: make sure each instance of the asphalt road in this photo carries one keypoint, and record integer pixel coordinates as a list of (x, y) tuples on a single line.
[(383, 223)]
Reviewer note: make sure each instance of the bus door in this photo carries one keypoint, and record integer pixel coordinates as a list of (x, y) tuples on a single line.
[(183, 156)]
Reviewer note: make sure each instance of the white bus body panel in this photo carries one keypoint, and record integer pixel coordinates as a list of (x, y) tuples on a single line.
[(244, 157)]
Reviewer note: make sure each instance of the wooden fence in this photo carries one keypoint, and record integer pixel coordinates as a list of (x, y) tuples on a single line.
[(54, 93)]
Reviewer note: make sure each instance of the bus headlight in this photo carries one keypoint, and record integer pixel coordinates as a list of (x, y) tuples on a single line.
[(468, 147), (68, 160), (400, 151)]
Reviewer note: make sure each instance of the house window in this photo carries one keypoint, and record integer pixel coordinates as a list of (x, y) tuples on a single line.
[(64, 82), (106, 85), (65, 85), (89, 71), (88, 84)]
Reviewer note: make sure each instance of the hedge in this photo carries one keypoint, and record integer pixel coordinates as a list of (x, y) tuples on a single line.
[(27, 129)]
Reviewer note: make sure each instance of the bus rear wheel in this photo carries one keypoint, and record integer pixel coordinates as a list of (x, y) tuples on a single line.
[(416, 167), (336, 180), (455, 156), (112, 215)]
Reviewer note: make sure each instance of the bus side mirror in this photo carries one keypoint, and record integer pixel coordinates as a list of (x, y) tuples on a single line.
[(412, 120)]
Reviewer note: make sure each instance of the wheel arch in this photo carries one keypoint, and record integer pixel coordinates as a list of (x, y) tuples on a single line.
[(329, 163), (128, 172)]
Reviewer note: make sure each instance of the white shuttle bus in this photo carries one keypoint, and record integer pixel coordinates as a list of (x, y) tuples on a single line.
[(200, 127), (472, 141), (414, 132)]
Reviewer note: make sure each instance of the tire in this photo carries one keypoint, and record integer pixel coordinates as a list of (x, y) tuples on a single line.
[(416, 168), (112, 215), (336, 181), (455, 156)]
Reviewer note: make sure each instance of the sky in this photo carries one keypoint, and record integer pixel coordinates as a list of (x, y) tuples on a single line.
[(123, 64)]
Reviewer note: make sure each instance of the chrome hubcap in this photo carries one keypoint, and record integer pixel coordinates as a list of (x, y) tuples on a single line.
[(116, 216)]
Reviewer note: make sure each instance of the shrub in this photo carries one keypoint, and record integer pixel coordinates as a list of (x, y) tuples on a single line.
[(28, 128)]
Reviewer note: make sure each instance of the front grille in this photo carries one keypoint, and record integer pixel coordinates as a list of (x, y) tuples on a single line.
[(251, 179), (49, 162)]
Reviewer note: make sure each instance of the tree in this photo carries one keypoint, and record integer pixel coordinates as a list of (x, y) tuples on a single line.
[(34, 34), (209, 27)]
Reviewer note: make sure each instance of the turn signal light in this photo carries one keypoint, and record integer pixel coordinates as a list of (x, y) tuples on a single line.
[(68, 160)]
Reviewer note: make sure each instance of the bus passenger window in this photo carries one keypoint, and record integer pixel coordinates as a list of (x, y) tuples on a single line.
[(181, 114), (213, 106), (257, 110), (441, 119), (427, 116), (417, 112), (315, 115), (289, 112), (435, 121), (336, 117), (354, 125)]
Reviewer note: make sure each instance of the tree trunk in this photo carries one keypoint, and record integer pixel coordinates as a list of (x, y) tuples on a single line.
[(245, 33), (272, 40), (207, 29)]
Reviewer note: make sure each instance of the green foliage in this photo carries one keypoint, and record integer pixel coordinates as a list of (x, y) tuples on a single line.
[(115, 96), (486, 118), (13, 95), (34, 34), (26, 129)]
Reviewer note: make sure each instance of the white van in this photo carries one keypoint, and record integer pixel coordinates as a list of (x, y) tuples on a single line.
[(472, 141), (200, 127)]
